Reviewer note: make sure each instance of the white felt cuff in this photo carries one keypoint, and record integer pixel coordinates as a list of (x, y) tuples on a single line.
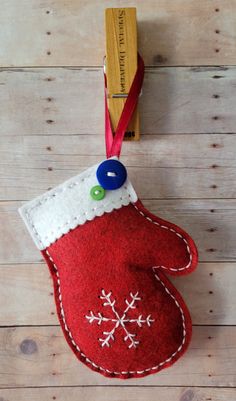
[(56, 212)]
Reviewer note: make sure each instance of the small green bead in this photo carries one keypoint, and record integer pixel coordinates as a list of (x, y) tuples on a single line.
[(97, 192)]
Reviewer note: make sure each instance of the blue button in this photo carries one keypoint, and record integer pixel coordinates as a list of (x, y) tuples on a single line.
[(111, 174)]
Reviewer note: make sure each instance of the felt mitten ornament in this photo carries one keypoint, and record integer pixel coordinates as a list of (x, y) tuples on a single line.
[(109, 257)]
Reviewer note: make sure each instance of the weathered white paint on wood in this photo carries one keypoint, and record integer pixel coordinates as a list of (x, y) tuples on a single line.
[(52, 127), (160, 183), (74, 152), (210, 222), (39, 356), (59, 32), (160, 166), (204, 292), (119, 393), (70, 100)]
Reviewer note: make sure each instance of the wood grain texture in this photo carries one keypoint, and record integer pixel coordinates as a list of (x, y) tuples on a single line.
[(121, 64), (39, 356), (119, 393), (203, 291), (70, 101), (160, 166), (184, 168), (210, 222), (181, 32), (76, 152)]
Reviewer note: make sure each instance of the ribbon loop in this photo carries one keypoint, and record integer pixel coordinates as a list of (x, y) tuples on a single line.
[(114, 142)]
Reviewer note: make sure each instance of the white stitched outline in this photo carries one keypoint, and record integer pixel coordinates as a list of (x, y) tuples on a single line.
[(139, 372), (40, 239), (62, 189), (119, 320), (125, 199), (58, 192), (149, 219), (173, 231), (107, 370)]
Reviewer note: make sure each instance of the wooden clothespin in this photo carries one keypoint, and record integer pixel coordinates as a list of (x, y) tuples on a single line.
[(121, 64)]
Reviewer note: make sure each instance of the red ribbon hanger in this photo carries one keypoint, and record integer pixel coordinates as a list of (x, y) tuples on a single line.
[(114, 141)]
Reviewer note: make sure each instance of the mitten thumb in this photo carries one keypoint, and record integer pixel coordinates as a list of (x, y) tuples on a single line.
[(153, 242)]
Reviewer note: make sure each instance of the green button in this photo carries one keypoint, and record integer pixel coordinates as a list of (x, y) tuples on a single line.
[(97, 193)]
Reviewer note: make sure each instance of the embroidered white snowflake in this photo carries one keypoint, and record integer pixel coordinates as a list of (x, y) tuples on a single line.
[(108, 336)]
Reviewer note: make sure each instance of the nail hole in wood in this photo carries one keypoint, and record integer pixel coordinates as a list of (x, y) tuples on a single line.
[(49, 33), (215, 118), (209, 337), (48, 53), (217, 50), (212, 210), (217, 10), (210, 292), (49, 99), (211, 230), (213, 186), (49, 121), (159, 59), (216, 96), (217, 31), (49, 148), (211, 250), (210, 274)]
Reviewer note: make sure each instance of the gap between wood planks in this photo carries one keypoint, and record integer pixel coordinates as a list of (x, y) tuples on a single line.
[(144, 199), (212, 67), (137, 392), (115, 385), (143, 134)]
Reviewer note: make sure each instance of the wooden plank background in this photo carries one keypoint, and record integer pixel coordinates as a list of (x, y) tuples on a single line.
[(184, 169)]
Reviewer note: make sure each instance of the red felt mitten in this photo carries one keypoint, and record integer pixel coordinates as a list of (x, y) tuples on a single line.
[(109, 257)]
